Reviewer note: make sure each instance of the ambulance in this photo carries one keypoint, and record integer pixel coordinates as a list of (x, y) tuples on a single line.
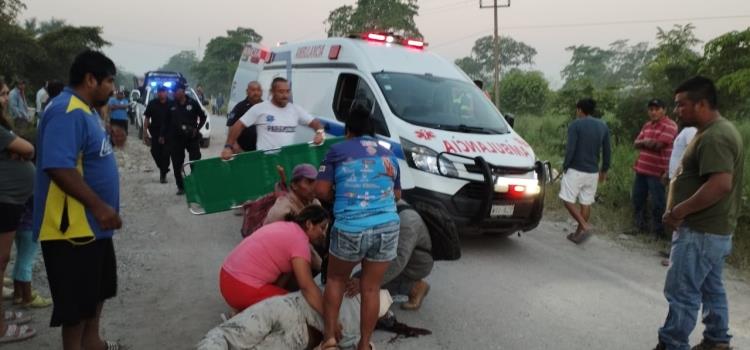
[(463, 167)]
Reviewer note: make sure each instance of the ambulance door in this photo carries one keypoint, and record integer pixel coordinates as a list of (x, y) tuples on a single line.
[(251, 64)]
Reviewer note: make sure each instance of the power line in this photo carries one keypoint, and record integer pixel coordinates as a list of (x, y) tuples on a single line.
[(589, 24)]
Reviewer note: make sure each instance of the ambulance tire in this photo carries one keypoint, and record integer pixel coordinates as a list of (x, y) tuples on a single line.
[(205, 143), (443, 232)]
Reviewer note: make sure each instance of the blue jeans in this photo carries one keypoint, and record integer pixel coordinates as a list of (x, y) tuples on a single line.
[(377, 244), (694, 279), (642, 187)]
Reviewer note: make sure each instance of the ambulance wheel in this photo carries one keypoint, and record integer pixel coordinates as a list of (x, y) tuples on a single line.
[(205, 143)]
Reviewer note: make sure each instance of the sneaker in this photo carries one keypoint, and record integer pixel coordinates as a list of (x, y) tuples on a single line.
[(710, 345), (180, 192), (163, 178)]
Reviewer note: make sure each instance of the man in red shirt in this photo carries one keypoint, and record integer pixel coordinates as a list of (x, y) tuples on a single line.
[(654, 144)]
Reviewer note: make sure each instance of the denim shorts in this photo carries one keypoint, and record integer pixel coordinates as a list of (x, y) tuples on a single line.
[(377, 244)]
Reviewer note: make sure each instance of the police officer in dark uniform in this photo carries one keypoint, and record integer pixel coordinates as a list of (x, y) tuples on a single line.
[(249, 137), (186, 117), (155, 118)]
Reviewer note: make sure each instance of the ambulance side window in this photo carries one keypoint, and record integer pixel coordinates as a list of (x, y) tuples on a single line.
[(352, 92)]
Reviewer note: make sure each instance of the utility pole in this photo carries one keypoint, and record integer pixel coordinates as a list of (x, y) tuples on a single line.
[(495, 47)]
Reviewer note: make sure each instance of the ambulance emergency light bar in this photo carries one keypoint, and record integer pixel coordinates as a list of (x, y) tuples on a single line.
[(390, 38)]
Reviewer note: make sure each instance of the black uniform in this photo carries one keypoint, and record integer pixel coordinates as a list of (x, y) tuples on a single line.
[(157, 114), (181, 132), (249, 136)]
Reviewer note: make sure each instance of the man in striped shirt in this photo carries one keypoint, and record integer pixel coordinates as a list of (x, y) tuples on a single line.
[(654, 144)]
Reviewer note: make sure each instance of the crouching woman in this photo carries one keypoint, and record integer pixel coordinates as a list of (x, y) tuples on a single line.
[(263, 264)]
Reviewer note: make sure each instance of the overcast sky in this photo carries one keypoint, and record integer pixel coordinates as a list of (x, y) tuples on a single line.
[(145, 33)]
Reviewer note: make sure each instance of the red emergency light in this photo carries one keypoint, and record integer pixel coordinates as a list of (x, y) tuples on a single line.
[(392, 38)]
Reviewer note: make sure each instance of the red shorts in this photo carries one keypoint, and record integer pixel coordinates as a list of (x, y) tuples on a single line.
[(240, 296)]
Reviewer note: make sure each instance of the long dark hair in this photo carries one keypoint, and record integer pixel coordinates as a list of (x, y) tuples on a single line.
[(4, 121), (313, 213)]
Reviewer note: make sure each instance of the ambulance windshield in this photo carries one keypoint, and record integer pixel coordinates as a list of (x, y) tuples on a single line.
[(440, 103)]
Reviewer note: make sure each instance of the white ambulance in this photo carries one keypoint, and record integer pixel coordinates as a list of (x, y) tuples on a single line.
[(463, 166)]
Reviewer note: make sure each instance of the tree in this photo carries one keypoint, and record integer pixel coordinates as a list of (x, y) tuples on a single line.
[(124, 78), (524, 92), (37, 29), (219, 62), (182, 62), (9, 10), (62, 45), (675, 60), (395, 16), (726, 59), (627, 66), (20, 55), (589, 63), (481, 63)]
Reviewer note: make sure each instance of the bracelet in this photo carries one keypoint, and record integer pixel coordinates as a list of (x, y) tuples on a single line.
[(228, 146)]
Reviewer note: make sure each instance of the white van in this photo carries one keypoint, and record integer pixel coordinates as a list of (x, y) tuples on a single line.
[(461, 162)]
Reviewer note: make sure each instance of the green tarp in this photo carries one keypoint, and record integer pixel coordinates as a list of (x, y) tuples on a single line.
[(214, 185)]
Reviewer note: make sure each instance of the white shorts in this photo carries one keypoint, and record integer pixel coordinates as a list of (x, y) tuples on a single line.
[(580, 187)]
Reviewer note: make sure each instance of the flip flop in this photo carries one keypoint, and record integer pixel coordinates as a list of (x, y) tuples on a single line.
[(16, 317), (111, 345), (14, 333), (329, 344)]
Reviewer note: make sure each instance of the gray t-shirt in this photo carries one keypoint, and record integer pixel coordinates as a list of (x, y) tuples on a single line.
[(16, 176)]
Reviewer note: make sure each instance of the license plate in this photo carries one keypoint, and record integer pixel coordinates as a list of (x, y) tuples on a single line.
[(502, 210)]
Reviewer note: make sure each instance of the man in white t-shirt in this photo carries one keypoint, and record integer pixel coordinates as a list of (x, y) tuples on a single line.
[(276, 121), (680, 145)]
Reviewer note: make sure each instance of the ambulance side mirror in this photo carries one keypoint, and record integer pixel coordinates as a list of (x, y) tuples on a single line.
[(510, 118)]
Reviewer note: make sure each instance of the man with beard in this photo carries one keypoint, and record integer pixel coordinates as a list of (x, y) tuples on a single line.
[(185, 118), (76, 202), (247, 139)]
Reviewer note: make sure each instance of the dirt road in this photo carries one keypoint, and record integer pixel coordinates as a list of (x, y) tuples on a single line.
[(537, 291)]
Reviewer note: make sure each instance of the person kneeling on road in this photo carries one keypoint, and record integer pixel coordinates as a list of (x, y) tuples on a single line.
[(406, 274), (276, 121), (261, 266)]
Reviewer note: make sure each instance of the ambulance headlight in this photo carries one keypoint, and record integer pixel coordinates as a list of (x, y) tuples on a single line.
[(426, 159)]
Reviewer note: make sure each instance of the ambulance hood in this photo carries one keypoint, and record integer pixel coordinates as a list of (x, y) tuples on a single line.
[(500, 150)]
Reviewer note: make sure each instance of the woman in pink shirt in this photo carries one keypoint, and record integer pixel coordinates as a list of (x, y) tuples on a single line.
[(259, 267)]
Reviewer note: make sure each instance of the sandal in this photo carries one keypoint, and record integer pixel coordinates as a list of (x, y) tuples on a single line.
[(14, 333), (16, 317), (112, 345), (37, 302), (329, 344)]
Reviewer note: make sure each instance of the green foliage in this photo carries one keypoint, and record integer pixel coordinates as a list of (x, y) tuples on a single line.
[(524, 92), (395, 16), (63, 44), (37, 29), (587, 63), (621, 65), (219, 62), (675, 60), (124, 79), (9, 10), (21, 55), (481, 63), (182, 62), (727, 59)]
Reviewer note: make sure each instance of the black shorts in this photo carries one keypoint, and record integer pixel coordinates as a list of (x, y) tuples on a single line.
[(10, 217), (80, 278)]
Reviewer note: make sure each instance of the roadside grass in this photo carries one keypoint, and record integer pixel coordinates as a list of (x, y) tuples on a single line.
[(613, 211)]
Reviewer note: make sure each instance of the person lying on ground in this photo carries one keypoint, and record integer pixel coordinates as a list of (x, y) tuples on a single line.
[(413, 263), (263, 264), (286, 322)]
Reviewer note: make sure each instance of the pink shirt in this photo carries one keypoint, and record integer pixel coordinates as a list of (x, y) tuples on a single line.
[(266, 254)]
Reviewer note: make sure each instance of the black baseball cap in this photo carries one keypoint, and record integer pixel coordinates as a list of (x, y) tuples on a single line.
[(161, 88), (656, 103)]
